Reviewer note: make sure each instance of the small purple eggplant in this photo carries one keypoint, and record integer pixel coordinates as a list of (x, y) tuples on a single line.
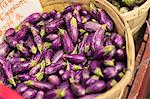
[(85, 75), (95, 68), (37, 38), (35, 59), (74, 30), (66, 75), (67, 43), (57, 43), (108, 42), (29, 94), (54, 79), (77, 16), (51, 94), (21, 34), (77, 89), (58, 15), (6, 66), (91, 80), (120, 66), (68, 94), (120, 54), (67, 18), (75, 58), (34, 70), (64, 85), (68, 9), (15, 60), (110, 72), (57, 56), (75, 67), (111, 83), (54, 68), (21, 88), (24, 77), (40, 95), (109, 62), (53, 13), (39, 85), (12, 41), (48, 56), (105, 19), (61, 72), (4, 49), (45, 16), (21, 67), (86, 18), (51, 37), (34, 18), (93, 11), (119, 41), (78, 76), (92, 26), (54, 25), (31, 45), (10, 32), (84, 12), (97, 87)]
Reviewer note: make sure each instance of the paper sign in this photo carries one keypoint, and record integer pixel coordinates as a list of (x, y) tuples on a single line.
[(12, 12)]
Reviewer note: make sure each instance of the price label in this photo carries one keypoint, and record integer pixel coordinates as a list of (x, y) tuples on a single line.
[(12, 12)]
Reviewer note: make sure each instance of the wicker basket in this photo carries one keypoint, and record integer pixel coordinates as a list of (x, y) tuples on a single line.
[(117, 90), (135, 18)]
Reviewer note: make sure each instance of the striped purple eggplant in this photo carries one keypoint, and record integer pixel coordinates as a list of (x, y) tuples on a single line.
[(68, 94), (37, 38), (31, 45), (77, 89), (6, 66), (76, 67), (77, 16), (40, 95), (91, 80), (68, 9), (23, 77), (110, 72), (93, 11), (75, 58), (45, 16), (120, 54), (67, 18), (85, 75), (86, 18), (84, 12), (92, 26), (34, 70), (21, 87), (35, 59), (10, 32), (57, 43), (21, 34), (67, 43), (4, 49), (39, 85), (34, 18), (118, 41), (51, 37), (48, 56), (66, 75), (120, 66), (95, 67), (54, 79), (57, 56), (29, 94), (74, 30), (12, 41), (51, 94), (21, 67), (97, 87), (78, 76), (53, 26), (65, 85), (58, 15), (53, 13)]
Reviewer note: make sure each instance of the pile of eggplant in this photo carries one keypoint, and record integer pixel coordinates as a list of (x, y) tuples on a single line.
[(125, 6), (71, 54)]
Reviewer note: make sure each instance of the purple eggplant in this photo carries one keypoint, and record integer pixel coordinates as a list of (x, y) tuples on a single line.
[(64, 85), (95, 67), (21, 88), (58, 15), (119, 41), (105, 19), (109, 62), (67, 18), (68, 9), (51, 94), (77, 89), (31, 45), (51, 37), (21, 34), (34, 18), (15, 60), (68, 94), (93, 11), (53, 26), (97, 87), (91, 80), (85, 75), (75, 67), (53, 13), (2, 76), (84, 40), (6, 66), (48, 56), (77, 16), (108, 42), (35, 59), (39, 85), (10, 32), (54, 68), (74, 30), (67, 43), (84, 12), (110, 72), (61, 72), (29, 94), (120, 54), (12, 41), (57, 56), (78, 76), (34, 70), (45, 16), (66, 75), (40, 95), (120, 66), (54, 79), (24, 77), (86, 18), (37, 38), (56, 44), (4, 49), (111, 83), (77, 7), (75, 58)]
